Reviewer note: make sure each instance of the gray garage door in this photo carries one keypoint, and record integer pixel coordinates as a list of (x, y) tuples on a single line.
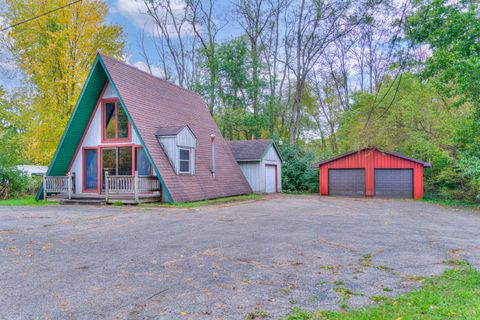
[(346, 182), (394, 183)]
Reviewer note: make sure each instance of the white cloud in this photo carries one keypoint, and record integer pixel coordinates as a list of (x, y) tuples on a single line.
[(156, 71), (136, 11)]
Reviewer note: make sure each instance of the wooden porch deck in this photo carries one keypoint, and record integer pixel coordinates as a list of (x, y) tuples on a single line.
[(95, 198), (125, 189)]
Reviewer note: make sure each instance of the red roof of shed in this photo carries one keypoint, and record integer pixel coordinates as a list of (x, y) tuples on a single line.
[(398, 155)]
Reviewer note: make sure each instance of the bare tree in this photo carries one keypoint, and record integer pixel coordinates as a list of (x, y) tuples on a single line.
[(206, 27), (143, 51), (271, 42), (170, 20), (330, 106), (316, 24), (254, 18), (162, 56)]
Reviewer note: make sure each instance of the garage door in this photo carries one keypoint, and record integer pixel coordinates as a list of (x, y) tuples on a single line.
[(394, 183), (346, 182), (270, 178)]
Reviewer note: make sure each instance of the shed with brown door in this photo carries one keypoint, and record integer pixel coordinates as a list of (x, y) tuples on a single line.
[(370, 172)]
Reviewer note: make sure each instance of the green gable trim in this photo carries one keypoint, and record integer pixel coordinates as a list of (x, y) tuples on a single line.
[(78, 122), (164, 187)]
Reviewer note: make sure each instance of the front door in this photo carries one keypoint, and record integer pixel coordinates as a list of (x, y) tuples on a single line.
[(116, 161), (270, 178), (90, 178)]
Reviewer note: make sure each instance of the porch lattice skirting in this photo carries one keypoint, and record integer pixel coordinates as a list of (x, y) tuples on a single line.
[(117, 188)]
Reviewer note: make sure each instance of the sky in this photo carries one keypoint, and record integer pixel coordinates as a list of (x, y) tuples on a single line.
[(127, 13)]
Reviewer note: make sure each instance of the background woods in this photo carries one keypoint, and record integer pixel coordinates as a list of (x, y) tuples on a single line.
[(320, 77)]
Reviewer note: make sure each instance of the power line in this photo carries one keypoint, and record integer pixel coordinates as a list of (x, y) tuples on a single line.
[(40, 15)]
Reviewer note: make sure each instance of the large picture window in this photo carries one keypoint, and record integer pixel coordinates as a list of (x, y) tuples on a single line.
[(115, 122), (116, 162)]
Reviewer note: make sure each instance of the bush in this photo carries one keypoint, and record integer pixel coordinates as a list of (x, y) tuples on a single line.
[(14, 183), (298, 175)]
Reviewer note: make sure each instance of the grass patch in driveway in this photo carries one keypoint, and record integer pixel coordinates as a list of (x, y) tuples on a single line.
[(455, 294), (25, 201), (202, 203)]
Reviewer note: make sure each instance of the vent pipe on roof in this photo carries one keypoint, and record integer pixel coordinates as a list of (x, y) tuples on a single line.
[(212, 138)]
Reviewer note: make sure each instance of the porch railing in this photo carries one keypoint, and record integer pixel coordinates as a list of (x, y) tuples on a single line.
[(59, 185), (130, 185)]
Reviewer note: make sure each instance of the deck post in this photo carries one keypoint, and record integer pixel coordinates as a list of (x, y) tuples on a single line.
[(135, 186), (73, 182), (45, 187), (69, 186), (106, 187)]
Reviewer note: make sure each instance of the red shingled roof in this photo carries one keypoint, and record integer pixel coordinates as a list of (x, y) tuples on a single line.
[(153, 104)]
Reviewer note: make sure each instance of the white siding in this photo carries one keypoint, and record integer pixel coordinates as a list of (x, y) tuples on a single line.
[(93, 138), (171, 144), (255, 172), (185, 138), (109, 92)]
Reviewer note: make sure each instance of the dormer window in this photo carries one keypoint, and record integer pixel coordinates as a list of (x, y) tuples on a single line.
[(115, 126), (184, 159), (179, 144)]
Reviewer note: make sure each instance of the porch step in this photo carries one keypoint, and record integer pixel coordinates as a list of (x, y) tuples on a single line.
[(88, 202)]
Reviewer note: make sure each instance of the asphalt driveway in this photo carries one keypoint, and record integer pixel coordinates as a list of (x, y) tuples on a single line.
[(223, 262)]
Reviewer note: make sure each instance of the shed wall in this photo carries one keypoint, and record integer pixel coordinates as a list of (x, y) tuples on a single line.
[(255, 171), (369, 160)]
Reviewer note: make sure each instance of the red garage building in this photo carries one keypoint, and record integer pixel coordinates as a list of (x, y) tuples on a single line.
[(371, 172)]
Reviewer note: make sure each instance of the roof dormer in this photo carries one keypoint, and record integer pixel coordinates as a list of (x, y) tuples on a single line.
[(179, 144)]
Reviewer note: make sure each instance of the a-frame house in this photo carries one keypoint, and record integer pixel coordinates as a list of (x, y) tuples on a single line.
[(133, 135)]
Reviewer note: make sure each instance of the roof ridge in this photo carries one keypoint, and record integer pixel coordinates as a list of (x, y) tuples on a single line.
[(249, 140), (149, 74), (391, 153)]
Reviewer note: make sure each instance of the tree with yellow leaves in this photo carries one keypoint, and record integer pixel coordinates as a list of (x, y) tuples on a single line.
[(55, 52)]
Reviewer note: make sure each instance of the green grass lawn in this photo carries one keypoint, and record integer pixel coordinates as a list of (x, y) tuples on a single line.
[(202, 203), (453, 295), (453, 203), (25, 201)]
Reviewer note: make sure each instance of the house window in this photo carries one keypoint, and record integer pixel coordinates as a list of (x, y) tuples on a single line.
[(142, 164), (184, 166), (115, 123), (116, 161)]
